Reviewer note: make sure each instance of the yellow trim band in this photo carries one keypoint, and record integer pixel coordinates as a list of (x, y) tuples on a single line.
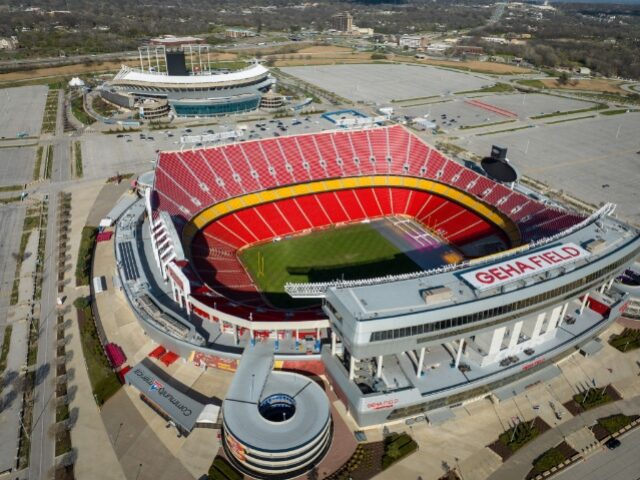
[(212, 213)]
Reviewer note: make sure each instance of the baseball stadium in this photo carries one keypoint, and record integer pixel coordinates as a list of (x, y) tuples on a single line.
[(413, 282), (183, 83)]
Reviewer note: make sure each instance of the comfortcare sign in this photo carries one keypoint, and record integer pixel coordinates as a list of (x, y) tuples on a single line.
[(531, 264)]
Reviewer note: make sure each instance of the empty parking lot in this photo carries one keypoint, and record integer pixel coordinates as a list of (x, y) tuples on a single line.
[(383, 83), (595, 159), (21, 110)]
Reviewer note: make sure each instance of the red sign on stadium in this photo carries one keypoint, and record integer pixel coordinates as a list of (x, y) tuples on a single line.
[(520, 267)]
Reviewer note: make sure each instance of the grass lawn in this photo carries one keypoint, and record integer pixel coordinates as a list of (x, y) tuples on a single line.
[(549, 459), (77, 108), (85, 254), (497, 88), (628, 340), (351, 252), (593, 398), (6, 341), (104, 382), (616, 422), (524, 433)]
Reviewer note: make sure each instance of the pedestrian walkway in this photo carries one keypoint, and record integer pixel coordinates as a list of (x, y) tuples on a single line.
[(95, 455), (518, 465)]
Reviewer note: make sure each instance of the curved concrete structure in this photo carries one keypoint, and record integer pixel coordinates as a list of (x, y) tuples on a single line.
[(275, 423)]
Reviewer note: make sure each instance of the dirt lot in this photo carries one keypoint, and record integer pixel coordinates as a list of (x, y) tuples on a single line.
[(350, 58), (477, 66), (79, 68), (609, 86), (325, 49)]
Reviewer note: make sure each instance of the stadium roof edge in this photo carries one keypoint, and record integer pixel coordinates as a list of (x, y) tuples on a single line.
[(134, 75)]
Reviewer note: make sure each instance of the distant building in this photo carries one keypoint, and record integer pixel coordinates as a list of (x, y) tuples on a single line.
[(361, 30), (438, 48), (499, 40), (412, 41), (238, 33), (342, 22), (468, 50), (171, 41), (271, 101), (8, 43)]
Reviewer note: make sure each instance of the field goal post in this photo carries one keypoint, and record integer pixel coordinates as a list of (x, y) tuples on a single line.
[(260, 264)]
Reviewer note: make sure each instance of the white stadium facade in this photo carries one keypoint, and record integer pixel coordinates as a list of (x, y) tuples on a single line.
[(188, 90)]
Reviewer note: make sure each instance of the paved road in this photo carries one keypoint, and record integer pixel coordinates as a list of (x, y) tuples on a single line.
[(622, 463), (44, 415)]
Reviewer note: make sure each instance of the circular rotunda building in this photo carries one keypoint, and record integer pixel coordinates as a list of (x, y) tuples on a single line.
[(276, 424)]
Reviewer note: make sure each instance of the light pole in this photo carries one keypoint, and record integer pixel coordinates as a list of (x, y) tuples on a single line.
[(115, 442)]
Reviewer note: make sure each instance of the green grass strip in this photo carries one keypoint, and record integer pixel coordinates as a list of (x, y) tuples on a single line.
[(78, 159), (48, 162), (104, 381), (497, 88), (38, 164), (504, 131), (618, 111), (469, 127), (600, 106), (6, 343), (569, 120)]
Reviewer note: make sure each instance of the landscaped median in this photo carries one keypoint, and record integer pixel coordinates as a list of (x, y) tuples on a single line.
[(614, 425), (599, 106), (104, 381), (593, 397), (370, 459), (85, 254), (518, 436), (553, 460), (222, 470), (626, 341)]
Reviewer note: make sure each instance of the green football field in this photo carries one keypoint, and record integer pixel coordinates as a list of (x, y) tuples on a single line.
[(351, 252)]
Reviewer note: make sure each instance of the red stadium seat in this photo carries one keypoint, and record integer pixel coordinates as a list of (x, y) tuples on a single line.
[(187, 182)]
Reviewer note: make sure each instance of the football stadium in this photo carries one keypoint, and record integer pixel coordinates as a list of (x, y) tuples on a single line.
[(412, 282)]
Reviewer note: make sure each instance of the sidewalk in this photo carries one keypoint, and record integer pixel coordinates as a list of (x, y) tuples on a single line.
[(96, 458), (521, 462)]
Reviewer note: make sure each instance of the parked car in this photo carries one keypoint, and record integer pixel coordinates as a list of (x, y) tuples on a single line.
[(613, 443)]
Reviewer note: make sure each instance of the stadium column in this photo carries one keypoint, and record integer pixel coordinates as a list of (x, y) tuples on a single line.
[(379, 369), (235, 335), (553, 321), (352, 367), (538, 326), (496, 340), (459, 352), (610, 284), (333, 343), (563, 313), (420, 362), (584, 302), (515, 334)]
